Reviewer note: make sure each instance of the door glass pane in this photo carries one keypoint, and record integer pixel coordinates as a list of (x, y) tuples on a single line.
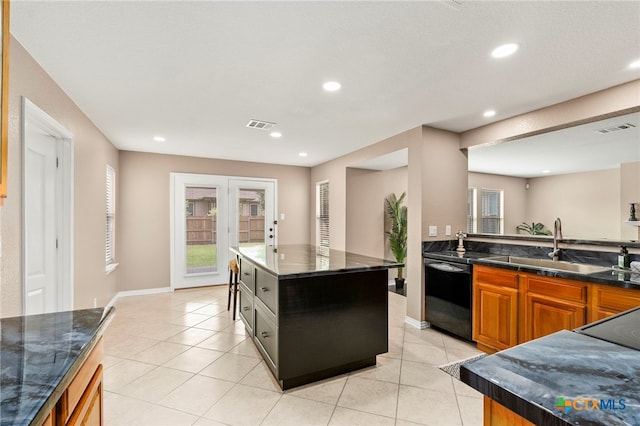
[(251, 217), (201, 230)]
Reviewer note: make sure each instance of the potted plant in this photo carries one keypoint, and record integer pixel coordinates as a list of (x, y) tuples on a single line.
[(533, 229), (398, 233)]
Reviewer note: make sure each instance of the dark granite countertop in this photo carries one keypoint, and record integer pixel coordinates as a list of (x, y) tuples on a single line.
[(39, 355), (530, 380), (298, 260)]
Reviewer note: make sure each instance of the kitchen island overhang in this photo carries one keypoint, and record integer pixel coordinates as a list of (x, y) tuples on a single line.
[(313, 313)]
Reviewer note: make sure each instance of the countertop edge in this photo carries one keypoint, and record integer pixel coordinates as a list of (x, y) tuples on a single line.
[(53, 399)]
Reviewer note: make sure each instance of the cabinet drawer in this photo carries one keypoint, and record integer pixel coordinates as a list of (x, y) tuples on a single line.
[(80, 382), (266, 334), (616, 299), (573, 291), (247, 274), (495, 276), (246, 307), (267, 290)]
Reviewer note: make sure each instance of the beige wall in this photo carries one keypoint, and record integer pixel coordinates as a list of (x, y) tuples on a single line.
[(614, 101), (143, 228), (587, 203), (366, 219), (514, 196), (629, 193), (92, 153)]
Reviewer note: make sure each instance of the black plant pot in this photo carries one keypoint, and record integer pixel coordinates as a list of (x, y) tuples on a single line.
[(399, 283)]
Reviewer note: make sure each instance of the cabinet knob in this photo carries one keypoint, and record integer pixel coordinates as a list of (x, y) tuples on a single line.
[(265, 289), (246, 308), (246, 273), (264, 334)]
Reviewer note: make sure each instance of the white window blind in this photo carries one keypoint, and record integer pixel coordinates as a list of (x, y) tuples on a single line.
[(322, 214), (111, 216), (472, 211), (492, 208)]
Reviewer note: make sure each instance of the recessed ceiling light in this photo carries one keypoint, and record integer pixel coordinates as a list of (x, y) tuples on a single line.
[(275, 134), (546, 171), (302, 154), (635, 64), (489, 113), (504, 50), (159, 139), (331, 86)]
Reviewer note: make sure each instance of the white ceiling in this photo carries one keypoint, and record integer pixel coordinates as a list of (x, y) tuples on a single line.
[(196, 72)]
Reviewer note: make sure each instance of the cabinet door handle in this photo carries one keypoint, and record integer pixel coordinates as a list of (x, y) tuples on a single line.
[(246, 308), (246, 273), (264, 334), (265, 289)]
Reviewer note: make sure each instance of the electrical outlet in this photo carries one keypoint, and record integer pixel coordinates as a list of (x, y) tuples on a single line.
[(447, 230), (433, 231)]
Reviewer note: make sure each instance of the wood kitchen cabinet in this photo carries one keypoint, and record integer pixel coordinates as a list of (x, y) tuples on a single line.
[(495, 308), (608, 301), (550, 305)]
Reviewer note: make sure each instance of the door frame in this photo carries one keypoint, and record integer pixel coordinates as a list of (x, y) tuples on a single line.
[(36, 117), (233, 228)]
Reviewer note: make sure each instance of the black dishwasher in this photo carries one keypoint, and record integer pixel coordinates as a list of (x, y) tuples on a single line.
[(448, 293)]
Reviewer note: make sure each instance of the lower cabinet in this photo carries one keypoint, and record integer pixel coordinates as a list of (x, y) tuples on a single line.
[(496, 414), (511, 307), (81, 403)]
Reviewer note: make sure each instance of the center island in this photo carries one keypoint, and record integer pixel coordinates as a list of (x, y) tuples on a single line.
[(313, 312)]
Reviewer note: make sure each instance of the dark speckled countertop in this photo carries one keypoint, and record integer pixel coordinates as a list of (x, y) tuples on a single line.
[(39, 355), (297, 260), (530, 378)]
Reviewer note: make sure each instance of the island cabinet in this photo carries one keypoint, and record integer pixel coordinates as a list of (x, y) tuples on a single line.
[(312, 325), (608, 301), (495, 308)]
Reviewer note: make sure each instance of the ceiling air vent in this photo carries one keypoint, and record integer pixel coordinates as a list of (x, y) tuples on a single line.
[(259, 124), (624, 126)]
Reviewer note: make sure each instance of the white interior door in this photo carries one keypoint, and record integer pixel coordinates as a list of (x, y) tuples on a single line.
[(199, 244), (252, 212), (40, 223)]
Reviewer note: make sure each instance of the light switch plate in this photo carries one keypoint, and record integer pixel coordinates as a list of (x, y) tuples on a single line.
[(433, 231), (447, 230)]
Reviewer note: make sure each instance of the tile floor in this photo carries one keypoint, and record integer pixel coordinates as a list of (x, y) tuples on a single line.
[(179, 359)]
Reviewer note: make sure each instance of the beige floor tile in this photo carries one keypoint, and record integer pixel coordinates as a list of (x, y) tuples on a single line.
[(221, 341), (246, 348), (290, 410), (216, 323), (429, 354), (370, 396), (426, 336), (156, 384), (327, 391), (122, 410), (160, 331), (471, 411), (118, 376), (189, 319), (160, 353), (187, 307), (400, 422), (396, 333), (208, 422), (261, 377), (230, 367), (193, 360), (426, 376), (237, 327), (191, 336), (110, 361), (465, 390), (196, 395), (458, 350), (395, 350), (212, 309), (347, 417), (243, 405), (128, 345), (428, 407), (386, 369)]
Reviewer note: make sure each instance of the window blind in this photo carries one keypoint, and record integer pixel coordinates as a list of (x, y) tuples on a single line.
[(111, 216), (472, 215), (322, 214), (492, 209)]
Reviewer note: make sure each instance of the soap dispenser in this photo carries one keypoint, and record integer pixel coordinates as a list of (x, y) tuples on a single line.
[(624, 260)]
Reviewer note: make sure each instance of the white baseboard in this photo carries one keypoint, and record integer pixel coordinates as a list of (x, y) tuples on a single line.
[(421, 325), (137, 293)]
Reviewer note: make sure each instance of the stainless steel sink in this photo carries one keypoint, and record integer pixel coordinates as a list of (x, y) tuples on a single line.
[(578, 268)]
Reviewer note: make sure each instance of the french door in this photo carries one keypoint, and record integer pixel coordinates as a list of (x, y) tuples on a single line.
[(209, 213)]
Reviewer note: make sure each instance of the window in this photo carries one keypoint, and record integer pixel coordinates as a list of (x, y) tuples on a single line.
[(322, 214), (254, 210), (110, 233), (472, 211), (492, 207)]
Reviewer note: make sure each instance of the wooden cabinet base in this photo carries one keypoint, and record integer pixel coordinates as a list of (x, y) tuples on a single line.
[(496, 414)]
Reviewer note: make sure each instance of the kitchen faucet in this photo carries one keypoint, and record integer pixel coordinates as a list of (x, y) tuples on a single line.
[(557, 235)]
